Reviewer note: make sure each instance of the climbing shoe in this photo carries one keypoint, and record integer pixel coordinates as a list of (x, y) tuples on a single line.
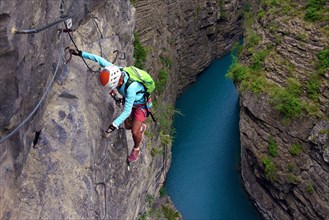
[(133, 155)]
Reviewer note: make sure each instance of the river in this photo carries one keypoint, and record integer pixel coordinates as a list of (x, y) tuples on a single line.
[(204, 181)]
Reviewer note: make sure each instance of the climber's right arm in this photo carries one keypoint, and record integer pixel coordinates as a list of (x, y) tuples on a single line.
[(100, 60)]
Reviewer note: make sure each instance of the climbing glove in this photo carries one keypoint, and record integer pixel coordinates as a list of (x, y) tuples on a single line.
[(76, 52), (109, 131)]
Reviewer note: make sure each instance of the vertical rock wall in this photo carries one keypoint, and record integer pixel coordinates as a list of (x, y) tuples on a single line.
[(27, 63), (189, 33), (286, 183), (59, 177)]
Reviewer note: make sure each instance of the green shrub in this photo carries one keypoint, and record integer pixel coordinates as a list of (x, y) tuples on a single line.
[(312, 109), (149, 200), (295, 149), (324, 131), (164, 115), (162, 192), (257, 84), (144, 216), (166, 139), (323, 61), (258, 59), (323, 57), (293, 87), (272, 148), (314, 10), (166, 61), (246, 7), (238, 72), (313, 86), (293, 179), (236, 50), (156, 151), (270, 2), (303, 37), (270, 169), (261, 14), (252, 39), (170, 213), (286, 103), (140, 52), (249, 78), (273, 27), (310, 188), (291, 167), (162, 80)]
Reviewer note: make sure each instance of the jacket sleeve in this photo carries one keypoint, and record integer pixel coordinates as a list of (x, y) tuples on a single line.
[(100, 60), (129, 101)]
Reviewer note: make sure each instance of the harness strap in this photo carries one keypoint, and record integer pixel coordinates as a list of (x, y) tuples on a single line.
[(150, 113)]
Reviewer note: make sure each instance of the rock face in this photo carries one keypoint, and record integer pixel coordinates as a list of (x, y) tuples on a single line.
[(284, 162), (57, 165), (190, 33), (67, 173)]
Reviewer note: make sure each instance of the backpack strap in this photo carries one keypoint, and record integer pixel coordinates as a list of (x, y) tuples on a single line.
[(129, 82)]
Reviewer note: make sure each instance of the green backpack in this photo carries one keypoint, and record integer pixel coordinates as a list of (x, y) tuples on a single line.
[(141, 76), (146, 80)]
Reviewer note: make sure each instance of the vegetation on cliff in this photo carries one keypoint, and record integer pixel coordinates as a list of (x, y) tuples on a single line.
[(282, 73), (294, 95)]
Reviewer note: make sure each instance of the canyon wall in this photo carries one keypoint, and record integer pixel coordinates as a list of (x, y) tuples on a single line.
[(283, 83)]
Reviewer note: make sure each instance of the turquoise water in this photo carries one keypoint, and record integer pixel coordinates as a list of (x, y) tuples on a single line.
[(204, 180)]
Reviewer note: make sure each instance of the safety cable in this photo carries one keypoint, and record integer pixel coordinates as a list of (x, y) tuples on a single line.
[(99, 31), (37, 30), (40, 101), (93, 71), (94, 18)]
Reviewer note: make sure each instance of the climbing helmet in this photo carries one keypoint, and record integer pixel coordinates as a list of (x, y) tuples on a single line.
[(110, 76)]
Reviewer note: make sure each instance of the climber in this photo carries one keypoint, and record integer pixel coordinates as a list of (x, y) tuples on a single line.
[(134, 113)]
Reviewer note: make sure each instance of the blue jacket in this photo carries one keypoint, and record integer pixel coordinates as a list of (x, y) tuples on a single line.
[(131, 96)]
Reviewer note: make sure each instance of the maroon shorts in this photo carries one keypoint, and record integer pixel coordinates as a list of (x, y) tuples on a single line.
[(138, 113)]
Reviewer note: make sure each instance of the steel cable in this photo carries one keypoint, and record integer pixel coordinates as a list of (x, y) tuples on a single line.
[(42, 98), (37, 30)]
